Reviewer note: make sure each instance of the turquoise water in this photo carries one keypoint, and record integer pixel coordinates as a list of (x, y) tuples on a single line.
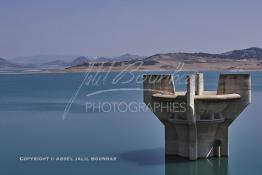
[(31, 124)]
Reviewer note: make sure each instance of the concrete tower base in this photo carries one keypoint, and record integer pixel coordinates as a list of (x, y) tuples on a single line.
[(196, 121)]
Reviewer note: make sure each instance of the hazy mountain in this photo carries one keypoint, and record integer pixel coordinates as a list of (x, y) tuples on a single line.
[(250, 53), (41, 59), (47, 61), (84, 60), (79, 60), (127, 57), (253, 52), (124, 57), (170, 56), (63, 61), (102, 59), (56, 63), (7, 64)]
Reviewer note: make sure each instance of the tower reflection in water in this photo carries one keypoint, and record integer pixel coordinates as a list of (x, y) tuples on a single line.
[(182, 166)]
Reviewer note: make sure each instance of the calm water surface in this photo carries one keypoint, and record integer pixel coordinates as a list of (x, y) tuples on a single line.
[(31, 124)]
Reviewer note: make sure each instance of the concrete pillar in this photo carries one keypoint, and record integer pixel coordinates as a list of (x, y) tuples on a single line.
[(193, 142), (199, 83), (191, 117), (191, 99)]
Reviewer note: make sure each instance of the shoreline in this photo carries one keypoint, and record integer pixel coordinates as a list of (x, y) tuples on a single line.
[(64, 71)]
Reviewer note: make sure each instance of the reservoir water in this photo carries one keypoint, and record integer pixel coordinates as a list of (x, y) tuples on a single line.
[(58, 115)]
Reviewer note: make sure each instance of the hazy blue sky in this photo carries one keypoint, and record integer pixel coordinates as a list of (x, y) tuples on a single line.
[(114, 27)]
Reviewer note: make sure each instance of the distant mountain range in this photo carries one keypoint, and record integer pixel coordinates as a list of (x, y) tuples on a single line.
[(41, 59), (201, 57), (246, 59), (7, 64), (125, 57), (55, 63), (253, 52), (46, 61)]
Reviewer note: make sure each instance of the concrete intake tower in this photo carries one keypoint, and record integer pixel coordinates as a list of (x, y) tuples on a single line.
[(196, 121)]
